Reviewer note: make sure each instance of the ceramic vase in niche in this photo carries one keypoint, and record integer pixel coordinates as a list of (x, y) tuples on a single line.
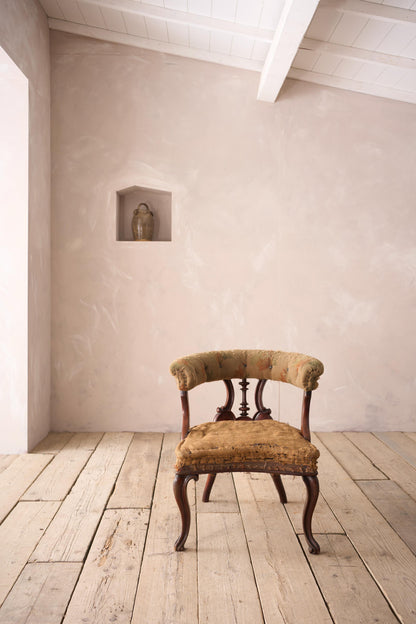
[(142, 223)]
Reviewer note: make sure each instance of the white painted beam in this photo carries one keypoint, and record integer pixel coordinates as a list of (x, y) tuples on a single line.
[(358, 54), (353, 85), (294, 21), (152, 44), (371, 10)]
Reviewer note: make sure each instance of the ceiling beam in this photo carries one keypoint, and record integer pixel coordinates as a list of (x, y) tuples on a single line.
[(151, 44), (370, 9), (353, 85), (294, 21), (358, 54), (183, 17)]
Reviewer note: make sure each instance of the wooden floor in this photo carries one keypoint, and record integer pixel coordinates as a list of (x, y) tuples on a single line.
[(89, 522)]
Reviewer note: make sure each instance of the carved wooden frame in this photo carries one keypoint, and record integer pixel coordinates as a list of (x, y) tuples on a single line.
[(184, 475)]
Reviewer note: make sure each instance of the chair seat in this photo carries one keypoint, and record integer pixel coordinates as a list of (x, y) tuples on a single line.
[(263, 445)]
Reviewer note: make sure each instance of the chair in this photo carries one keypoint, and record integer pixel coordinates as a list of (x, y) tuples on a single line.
[(244, 444)]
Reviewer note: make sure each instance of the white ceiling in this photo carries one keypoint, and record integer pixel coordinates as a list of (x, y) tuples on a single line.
[(359, 45)]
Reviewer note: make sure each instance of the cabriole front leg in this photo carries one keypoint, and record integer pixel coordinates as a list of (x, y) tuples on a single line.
[(312, 489), (180, 485)]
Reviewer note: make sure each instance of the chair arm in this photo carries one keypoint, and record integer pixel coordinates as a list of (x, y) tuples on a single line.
[(295, 368)]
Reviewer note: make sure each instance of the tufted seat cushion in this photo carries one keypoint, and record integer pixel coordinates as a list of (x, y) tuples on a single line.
[(263, 445)]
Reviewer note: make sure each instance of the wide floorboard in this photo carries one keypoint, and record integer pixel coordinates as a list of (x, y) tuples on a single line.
[(88, 523)]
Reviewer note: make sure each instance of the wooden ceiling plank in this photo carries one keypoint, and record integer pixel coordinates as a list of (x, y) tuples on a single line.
[(71, 11), (242, 46), (153, 44), (156, 29), (178, 33), (271, 12), (91, 14), (353, 85), (391, 76), (260, 50), (221, 42), (224, 10), (249, 13), (200, 7), (348, 68), (348, 28), (398, 39), (323, 24), (198, 38), (373, 34), (183, 17), (113, 19), (135, 25), (294, 21), (358, 54), (370, 9), (52, 9)]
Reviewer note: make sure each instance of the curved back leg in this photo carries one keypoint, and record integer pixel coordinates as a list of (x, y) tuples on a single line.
[(277, 479), (312, 489), (180, 485), (208, 487)]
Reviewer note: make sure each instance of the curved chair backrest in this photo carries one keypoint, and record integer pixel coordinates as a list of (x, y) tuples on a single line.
[(295, 368)]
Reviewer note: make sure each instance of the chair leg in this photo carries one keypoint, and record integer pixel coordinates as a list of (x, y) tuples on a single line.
[(277, 479), (180, 485), (312, 488), (208, 487)]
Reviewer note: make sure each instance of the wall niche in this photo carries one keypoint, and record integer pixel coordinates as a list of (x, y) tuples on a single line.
[(159, 202)]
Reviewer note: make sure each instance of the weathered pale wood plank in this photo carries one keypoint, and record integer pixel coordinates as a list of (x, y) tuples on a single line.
[(85, 441), (17, 477), (323, 520), (350, 457), (394, 466), (58, 477), (19, 534), (411, 435), (349, 590), (53, 443), (396, 506), (136, 481), (40, 594), (106, 589), (287, 589), (226, 585), (167, 591), (6, 460), (70, 533), (401, 444), (223, 498), (389, 560)]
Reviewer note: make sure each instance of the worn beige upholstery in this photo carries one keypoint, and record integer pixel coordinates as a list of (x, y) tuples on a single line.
[(236, 442), (263, 445), (295, 368)]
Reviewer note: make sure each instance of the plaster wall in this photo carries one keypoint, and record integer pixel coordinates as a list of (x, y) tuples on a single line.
[(24, 35), (14, 148), (293, 227)]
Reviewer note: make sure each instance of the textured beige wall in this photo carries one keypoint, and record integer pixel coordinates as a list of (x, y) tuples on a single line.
[(24, 35), (14, 216), (293, 227)]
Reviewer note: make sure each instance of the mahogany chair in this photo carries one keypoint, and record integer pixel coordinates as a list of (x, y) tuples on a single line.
[(240, 443)]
